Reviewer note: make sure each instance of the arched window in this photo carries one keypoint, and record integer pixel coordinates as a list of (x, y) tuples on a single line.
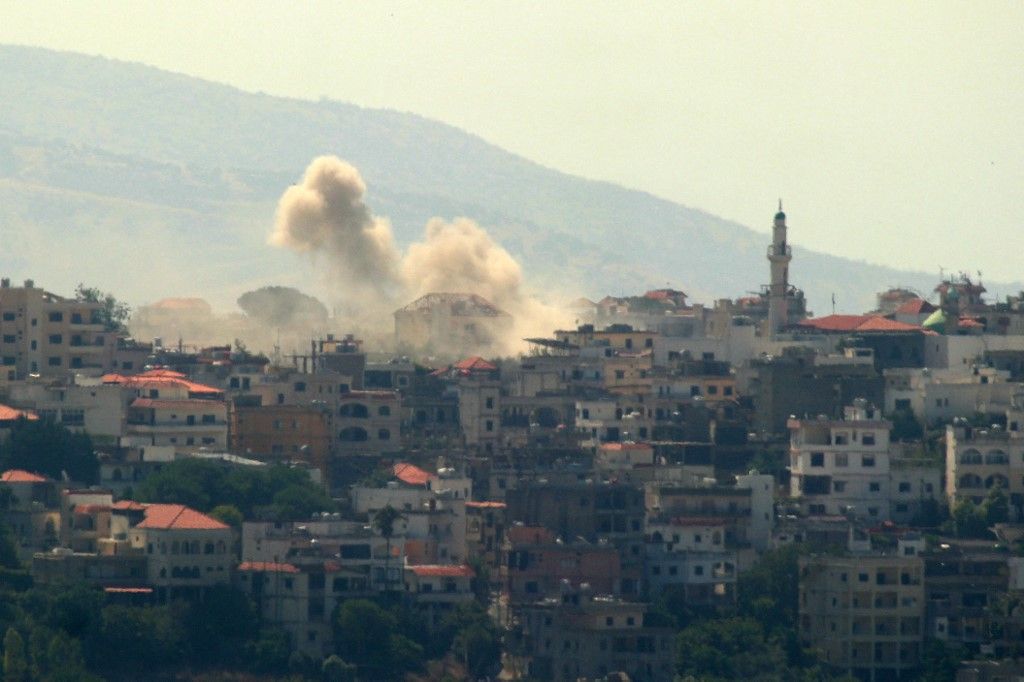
[(354, 410), (969, 481), (996, 457), (996, 481), (970, 457), (353, 434)]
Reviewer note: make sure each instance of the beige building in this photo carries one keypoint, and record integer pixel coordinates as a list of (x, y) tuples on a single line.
[(864, 613), (451, 324), (186, 424), (979, 459), (186, 551), (46, 334)]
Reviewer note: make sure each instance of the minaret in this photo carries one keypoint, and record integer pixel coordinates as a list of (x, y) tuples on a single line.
[(779, 255)]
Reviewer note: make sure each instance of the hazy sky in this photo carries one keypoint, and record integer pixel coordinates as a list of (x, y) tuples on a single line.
[(893, 131)]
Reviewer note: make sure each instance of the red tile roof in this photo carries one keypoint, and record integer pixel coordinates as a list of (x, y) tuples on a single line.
[(462, 571), (161, 377), (411, 474), (915, 306), (178, 517), (22, 476), (857, 323), (267, 567), (472, 504), (969, 323), (475, 364), (10, 414)]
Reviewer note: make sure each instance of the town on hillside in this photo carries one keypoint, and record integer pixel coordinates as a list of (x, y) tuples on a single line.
[(664, 490)]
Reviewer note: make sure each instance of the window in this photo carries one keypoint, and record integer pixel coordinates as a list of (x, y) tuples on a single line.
[(383, 434), (53, 361), (10, 338), (8, 317), (56, 317), (712, 390), (384, 411), (609, 621), (868, 439), (300, 386), (209, 419), (489, 403), (817, 459), (620, 374), (489, 426), (839, 486), (874, 487), (698, 570), (727, 390), (867, 460), (56, 339), (904, 487)]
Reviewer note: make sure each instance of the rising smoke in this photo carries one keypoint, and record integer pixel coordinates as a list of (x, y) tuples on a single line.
[(326, 217)]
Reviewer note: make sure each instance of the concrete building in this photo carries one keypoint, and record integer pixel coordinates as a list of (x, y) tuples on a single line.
[(282, 433), (864, 613), (437, 590), (187, 552), (843, 466), (49, 335), (451, 324), (979, 459), (934, 395), (584, 636), (691, 553), (187, 424)]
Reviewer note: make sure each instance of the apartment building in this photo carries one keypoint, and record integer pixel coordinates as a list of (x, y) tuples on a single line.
[(49, 335), (691, 553), (864, 613), (847, 466), (979, 459), (580, 635)]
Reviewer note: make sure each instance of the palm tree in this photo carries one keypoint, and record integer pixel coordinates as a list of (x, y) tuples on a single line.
[(384, 523)]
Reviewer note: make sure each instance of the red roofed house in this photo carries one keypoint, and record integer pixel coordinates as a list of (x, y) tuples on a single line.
[(31, 511), (187, 551), (185, 423), (437, 589), (915, 311)]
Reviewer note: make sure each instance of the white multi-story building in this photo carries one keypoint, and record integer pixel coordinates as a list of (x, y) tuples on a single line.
[(979, 459), (845, 466), (692, 553)]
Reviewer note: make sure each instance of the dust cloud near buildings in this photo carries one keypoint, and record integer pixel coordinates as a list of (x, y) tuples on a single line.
[(455, 289)]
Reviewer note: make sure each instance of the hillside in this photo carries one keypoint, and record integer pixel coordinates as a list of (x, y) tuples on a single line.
[(158, 184)]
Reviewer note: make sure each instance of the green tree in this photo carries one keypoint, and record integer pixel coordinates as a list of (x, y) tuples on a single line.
[(729, 649), (15, 663), (8, 550), (384, 523), (367, 635), (969, 520), (113, 314), (996, 507), (479, 648), (229, 514), (50, 449), (769, 591)]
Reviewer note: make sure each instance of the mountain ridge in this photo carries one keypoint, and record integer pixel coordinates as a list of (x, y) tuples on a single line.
[(126, 129)]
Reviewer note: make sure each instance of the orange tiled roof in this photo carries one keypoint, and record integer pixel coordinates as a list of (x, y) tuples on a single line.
[(267, 567), (10, 414), (21, 476), (160, 377), (473, 504), (475, 364), (178, 517), (411, 474), (915, 306), (857, 323), (461, 571), (625, 446)]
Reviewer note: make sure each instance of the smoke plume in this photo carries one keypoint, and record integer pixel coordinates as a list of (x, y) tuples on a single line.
[(325, 216)]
